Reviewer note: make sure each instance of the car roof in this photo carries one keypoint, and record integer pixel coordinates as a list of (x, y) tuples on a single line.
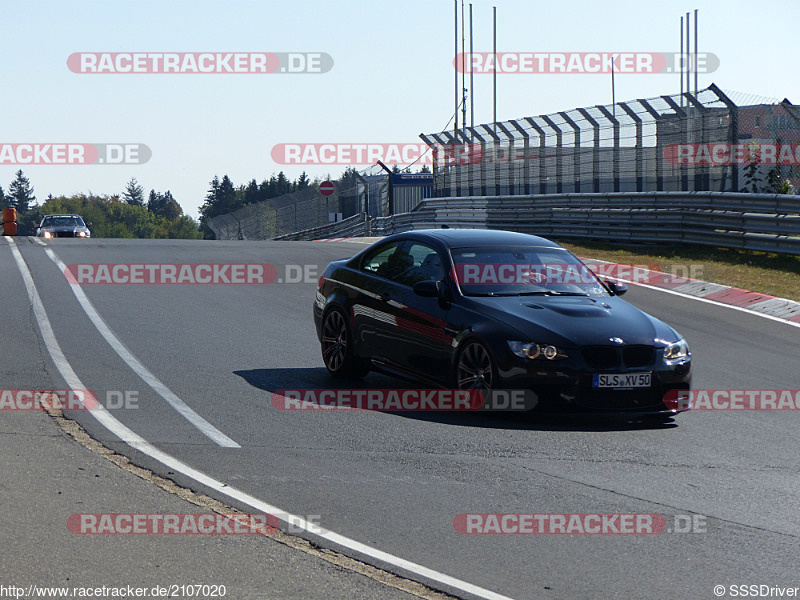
[(62, 215), (455, 238)]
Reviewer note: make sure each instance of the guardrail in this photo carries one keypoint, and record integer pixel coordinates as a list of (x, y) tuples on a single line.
[(355, 226), (762, 222)]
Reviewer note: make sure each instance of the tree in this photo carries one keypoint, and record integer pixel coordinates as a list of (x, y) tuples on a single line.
[(220, 199), (2, 199), (20, 193), (134, 193), (347, 181), (164, 205), (155, 201), (184, 228), (226, 199), (252, 193), (302, 182), (209, 208), (284, 186), (172, 210), (112, 217)]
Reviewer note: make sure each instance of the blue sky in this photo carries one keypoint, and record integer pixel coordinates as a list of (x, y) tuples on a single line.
[(392, 76)]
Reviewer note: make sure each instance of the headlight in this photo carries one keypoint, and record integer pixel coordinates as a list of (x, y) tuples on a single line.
[(81, 234), (534, 350), (47, 234), (676, 350)]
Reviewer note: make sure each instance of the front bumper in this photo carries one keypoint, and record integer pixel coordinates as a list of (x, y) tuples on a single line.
[(48, 234), (561, 389)]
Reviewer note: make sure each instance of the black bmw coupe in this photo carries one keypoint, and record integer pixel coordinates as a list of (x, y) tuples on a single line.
[(496, 310)]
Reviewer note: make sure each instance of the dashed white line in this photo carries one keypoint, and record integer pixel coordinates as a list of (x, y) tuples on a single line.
[(137, 367)]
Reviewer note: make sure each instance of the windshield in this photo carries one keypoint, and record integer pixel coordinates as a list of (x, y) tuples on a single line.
[(62, 222), (523, 270)]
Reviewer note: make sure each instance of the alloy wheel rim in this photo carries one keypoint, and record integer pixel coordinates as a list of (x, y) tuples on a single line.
[(475, 369), (334, 341)]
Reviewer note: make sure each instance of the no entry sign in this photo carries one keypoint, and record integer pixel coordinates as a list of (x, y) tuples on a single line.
[(326, 188)]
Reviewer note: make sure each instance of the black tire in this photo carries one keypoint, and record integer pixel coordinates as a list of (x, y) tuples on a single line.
[(338, 351)]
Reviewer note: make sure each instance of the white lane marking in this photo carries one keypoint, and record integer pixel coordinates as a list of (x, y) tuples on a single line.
[(701, 299), (38, 241), (137, 442), (136, 365), (62, 364)]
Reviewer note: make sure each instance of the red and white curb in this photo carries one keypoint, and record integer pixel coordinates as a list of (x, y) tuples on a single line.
[(764, 304)]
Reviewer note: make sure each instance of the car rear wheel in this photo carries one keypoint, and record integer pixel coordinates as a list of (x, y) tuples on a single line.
[(474, 368), (338, 351)]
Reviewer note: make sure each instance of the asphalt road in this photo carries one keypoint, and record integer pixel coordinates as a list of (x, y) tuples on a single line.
[(394, 482)]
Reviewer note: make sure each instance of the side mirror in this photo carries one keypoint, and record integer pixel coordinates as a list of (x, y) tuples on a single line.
[(427, 289), (88, 223), (617, 287)]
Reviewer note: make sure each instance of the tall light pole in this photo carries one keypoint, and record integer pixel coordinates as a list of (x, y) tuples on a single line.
[(494, 74), (455, 70)]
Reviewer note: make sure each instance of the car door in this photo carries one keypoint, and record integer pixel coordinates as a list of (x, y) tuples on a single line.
[(416, 338), (373, 315)]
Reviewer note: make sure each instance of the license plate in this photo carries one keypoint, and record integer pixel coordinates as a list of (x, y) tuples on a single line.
[(621, 380)]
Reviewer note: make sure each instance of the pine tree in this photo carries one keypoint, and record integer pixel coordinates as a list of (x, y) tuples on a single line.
[(226, 199), (302, 182), (20, 193), (154, 201), (252, 193), (134, 193), (284, 185), (209, 208)]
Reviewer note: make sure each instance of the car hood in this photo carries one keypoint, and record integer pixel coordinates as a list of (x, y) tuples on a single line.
[(575, 320), (61, 228)]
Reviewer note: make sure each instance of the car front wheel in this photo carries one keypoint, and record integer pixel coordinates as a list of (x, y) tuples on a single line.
[(474, 368)]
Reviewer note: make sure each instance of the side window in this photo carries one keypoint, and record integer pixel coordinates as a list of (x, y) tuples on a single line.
[(380, 261), (422, 263), (405, 262)]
